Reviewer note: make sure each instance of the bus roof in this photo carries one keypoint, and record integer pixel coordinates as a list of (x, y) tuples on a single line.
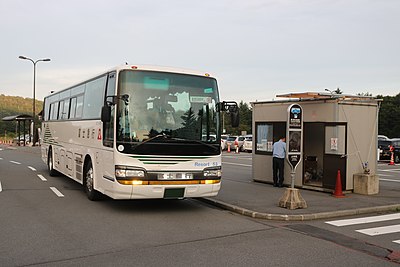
[(162, 69), (140, 67)]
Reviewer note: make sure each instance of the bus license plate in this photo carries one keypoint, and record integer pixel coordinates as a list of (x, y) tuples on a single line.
[(174, 192), (175, 176)]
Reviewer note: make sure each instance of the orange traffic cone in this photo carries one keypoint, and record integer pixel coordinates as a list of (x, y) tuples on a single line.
[(229, 148), (338, 187), (391, 159)]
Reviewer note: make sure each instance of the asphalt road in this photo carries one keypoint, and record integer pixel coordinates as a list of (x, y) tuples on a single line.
[(48, 221)]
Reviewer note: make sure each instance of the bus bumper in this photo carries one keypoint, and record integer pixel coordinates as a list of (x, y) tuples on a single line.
[(164, 191)]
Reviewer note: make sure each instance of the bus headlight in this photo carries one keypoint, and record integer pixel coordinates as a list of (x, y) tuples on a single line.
[(212, 173), (121, 172)]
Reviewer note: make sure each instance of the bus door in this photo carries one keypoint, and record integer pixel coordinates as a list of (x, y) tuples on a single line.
[(106, 159)]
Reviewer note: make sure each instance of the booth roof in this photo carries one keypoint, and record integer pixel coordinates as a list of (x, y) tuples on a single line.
[(315, 96), (17, 117)]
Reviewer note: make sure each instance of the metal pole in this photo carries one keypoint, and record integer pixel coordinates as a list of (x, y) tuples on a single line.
[(34, 91), (292, 176), (34, 108)]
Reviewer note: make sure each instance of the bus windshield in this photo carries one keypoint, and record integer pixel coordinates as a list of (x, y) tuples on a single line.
[(160, 107)]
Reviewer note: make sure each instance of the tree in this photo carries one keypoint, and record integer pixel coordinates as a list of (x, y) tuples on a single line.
[(245, 116), (364, 94), (389, 116), (14, 105)]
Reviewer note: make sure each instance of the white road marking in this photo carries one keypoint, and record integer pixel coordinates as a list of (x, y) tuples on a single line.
[(229, 163), (15, 162), (33, 169), (55, 190), (389, 180), (42, 177), (1, 189), (1, 158), (380, 230), (371, 219), (391, 170), (384, 175)]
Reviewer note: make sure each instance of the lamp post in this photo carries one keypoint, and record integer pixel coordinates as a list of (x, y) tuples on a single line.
[(34, 89)]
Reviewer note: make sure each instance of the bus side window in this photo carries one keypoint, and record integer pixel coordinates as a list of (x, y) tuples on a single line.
[(79, 107), (72, 108), (61, 108), (50, 111), (54, 113)]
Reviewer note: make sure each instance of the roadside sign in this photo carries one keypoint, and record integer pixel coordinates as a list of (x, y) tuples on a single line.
[(294, 135)]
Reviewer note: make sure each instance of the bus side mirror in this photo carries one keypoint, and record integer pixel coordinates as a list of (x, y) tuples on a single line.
[(231, 108), (106, 113), (235, 118)]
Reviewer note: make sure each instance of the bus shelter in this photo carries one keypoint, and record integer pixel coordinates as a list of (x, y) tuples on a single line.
[(22, 138), (339, 135)]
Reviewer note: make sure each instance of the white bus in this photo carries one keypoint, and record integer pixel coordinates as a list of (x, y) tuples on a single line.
[(138, 132)]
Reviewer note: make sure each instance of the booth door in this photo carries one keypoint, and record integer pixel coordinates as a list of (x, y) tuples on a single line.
[(335, 158)]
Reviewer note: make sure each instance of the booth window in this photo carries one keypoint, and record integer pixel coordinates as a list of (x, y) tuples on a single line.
[(266, 134)]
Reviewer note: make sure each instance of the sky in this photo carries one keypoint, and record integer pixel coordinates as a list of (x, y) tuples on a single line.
[(256, 49)]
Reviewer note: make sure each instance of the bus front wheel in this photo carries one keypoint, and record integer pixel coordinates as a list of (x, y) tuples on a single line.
[(88, 183), (50, 164)]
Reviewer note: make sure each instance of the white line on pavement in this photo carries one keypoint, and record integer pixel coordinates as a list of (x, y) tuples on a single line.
[(33, 169), (389, 180), (42, 177), (393, 170), (15, 162), (229, 163), (384, 175), (370, 219), (1, 158), (380, 230), (1, 189), (55, 190)]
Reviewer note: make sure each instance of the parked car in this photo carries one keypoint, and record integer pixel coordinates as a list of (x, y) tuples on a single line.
[(382, 137), (384, 148), (231, 142), (224, 137), (248, 143), (396, 149)]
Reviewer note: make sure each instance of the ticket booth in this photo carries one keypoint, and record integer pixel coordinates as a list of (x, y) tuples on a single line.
[(339, 134)]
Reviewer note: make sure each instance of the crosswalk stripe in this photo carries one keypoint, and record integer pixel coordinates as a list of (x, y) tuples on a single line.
[(371, 219), (380, 230)]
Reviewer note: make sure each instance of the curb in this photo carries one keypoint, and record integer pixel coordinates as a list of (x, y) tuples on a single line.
[(299, 217)]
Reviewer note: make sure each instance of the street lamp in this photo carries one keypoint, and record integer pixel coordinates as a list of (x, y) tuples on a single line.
[(34, 88)]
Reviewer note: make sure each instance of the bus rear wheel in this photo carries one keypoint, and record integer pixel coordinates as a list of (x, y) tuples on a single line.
[(88, 183)]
